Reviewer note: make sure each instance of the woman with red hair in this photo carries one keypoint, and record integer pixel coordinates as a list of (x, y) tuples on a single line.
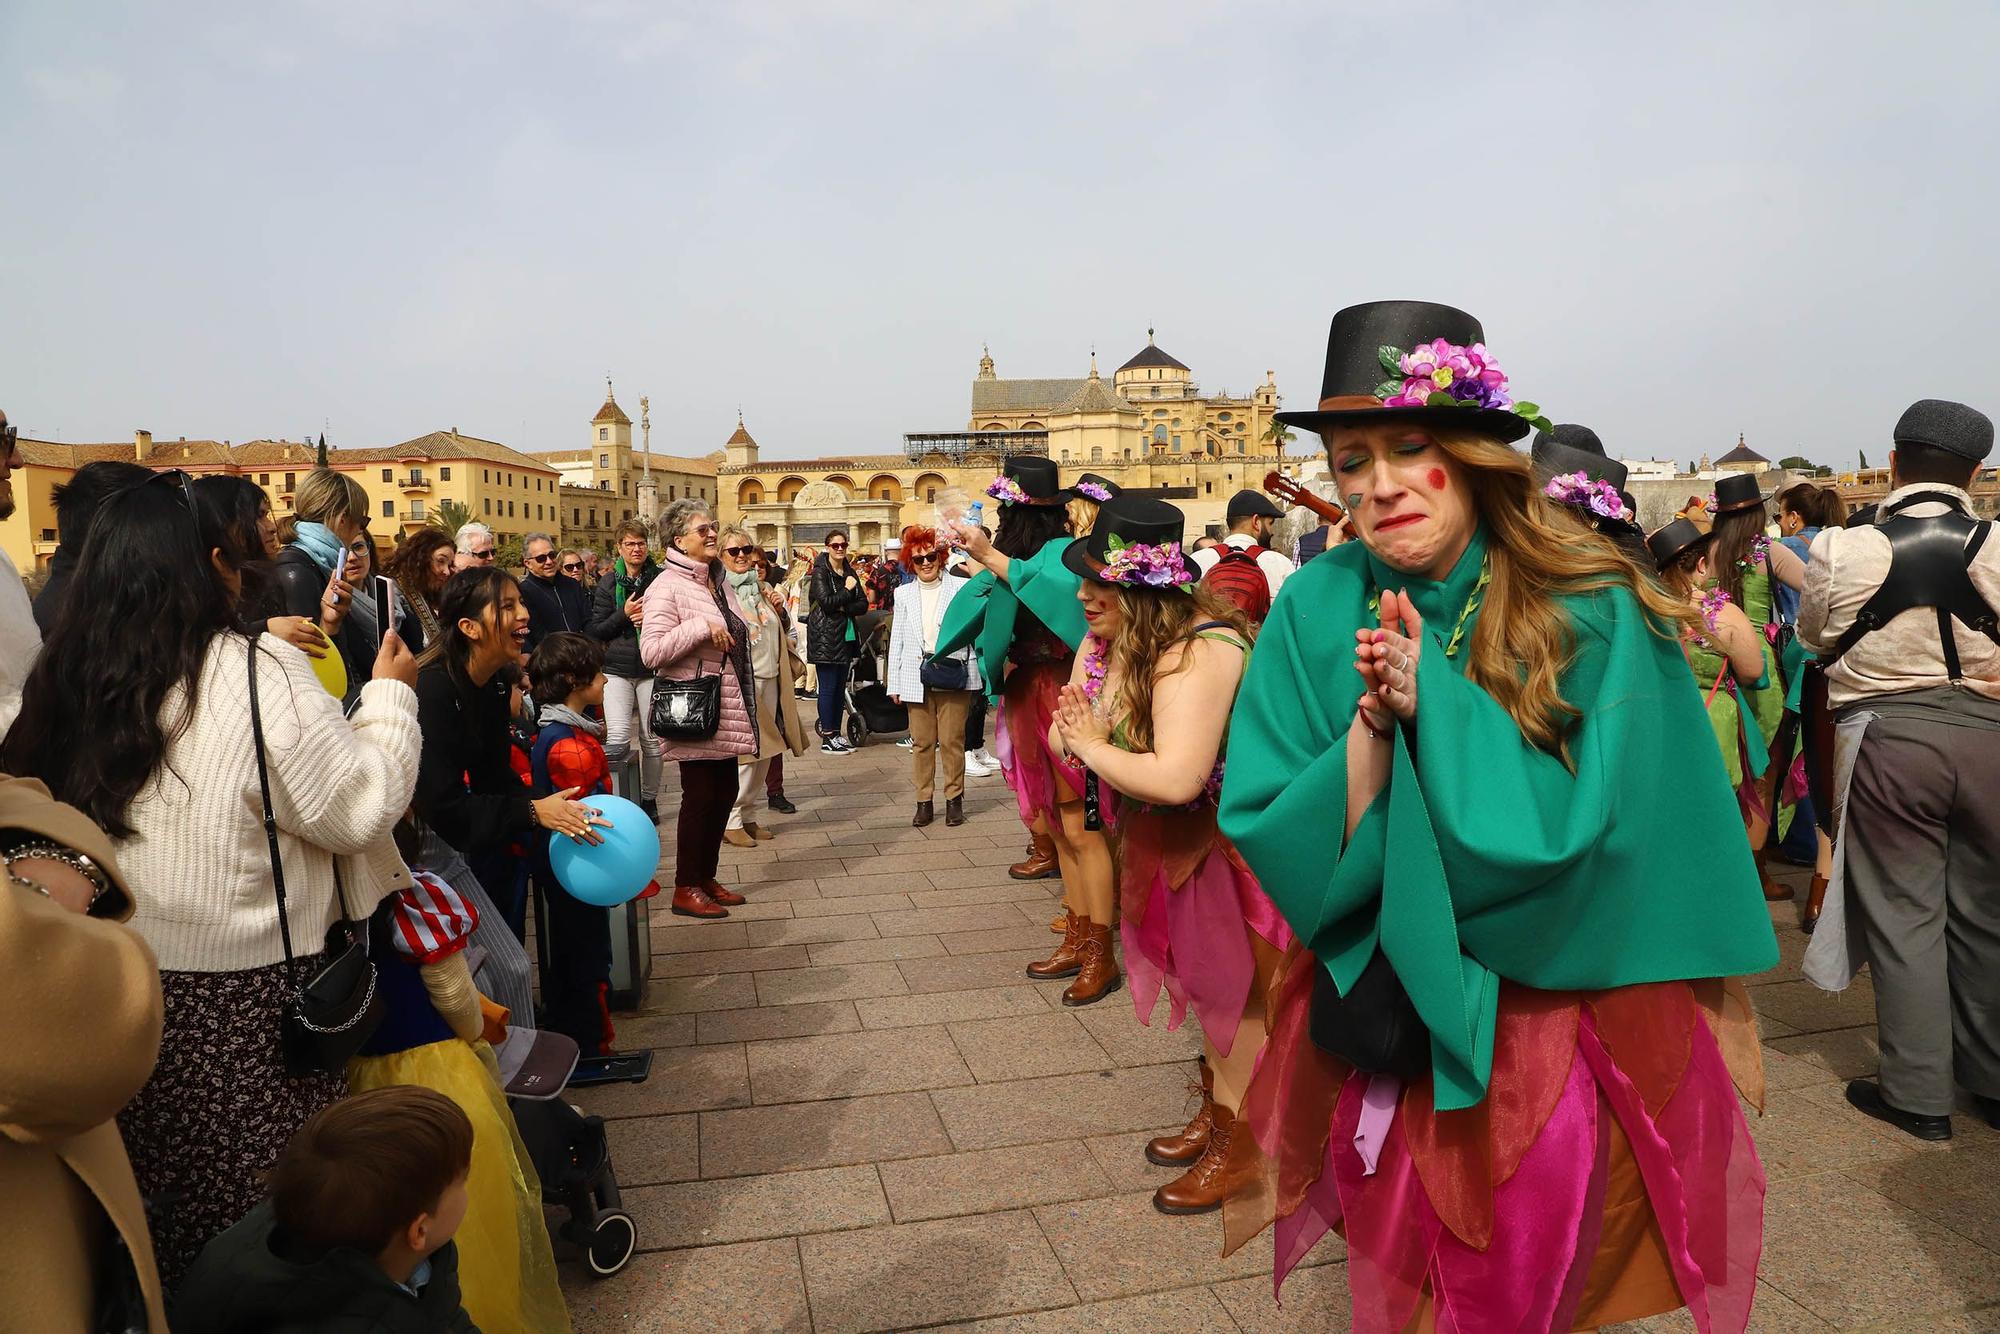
[(937, 690)]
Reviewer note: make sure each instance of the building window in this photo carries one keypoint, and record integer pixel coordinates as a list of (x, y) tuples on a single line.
[(489, 507), (486, 476), (670, 493), (1177, 444), (604, 433), (291, 481), (388, 509), (263, 479), (930, 495), (1160, 433), (48, 534), (625, 486), (444, 473), (1156, 391), (1097, 454), (510, 479), (388, 474), (628, 513)]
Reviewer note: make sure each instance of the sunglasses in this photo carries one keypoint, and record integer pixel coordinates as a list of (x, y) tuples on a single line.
[(737, 551), (574, 567), (537, 560), (705, 529), (927, 557), (481, 555), (836, 546)]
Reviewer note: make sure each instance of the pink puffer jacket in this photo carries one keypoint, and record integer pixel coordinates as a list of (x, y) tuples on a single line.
[(680, 615)]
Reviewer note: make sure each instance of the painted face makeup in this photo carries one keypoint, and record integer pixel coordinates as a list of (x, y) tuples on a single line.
[(1354, 499), (1436, 478)]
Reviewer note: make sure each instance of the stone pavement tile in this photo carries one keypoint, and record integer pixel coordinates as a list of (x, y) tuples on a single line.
[(1315, 1300), (898, 863), (1019, 936), (692, 995), (1769, 1029), (754, 911), (936, 921), (836, 982), (730, 961), (896, 1060), (1189, 1311), (916, 1274), (767, 892), (1025, 1111), (1807, 1009), (1960, 1189), (1121, 1244), (834, 1133), (789, 868), (1025, 1046), (1985, 1320), (1799, 1135), (1968, 1129), (1782, 1071), (848, 886), (939, 1007), (964, 876), (967, 972), (875, 951), (1853, 1257), (809, 931), (1843, 1053), (713, 1290), (851, 903), (647, 1150), (777, 1021), (654, 1030), (718, 935), (1771, 1313), (1129, 1042), (1123, 1158), (1002, 890), (684, 1079), (991, 1180), (784, 1204), (993, 856), (1038, 914)]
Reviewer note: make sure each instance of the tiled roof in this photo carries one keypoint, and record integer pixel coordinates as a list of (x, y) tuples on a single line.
[(1151, 355), (611, 412), (558, 457), (1096, 396), (165, 453), (739, 436), (444, 446), (996, 396), (1741, 454), (704, 466)]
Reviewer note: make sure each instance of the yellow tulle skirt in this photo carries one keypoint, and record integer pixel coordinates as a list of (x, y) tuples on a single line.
[(506, 1269)]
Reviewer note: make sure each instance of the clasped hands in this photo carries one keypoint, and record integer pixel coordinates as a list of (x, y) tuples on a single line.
[(1077, 724), (1387, 657)]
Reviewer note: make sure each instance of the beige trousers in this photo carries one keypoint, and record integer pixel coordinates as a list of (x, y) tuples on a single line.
[(938, 724)]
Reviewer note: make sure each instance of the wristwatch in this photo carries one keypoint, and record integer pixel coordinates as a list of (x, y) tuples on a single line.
[(41, 849)]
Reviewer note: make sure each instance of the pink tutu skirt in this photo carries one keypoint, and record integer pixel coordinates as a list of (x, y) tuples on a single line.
[(1039, 780)]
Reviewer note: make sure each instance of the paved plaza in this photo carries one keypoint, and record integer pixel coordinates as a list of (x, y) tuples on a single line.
[(863, 1117)]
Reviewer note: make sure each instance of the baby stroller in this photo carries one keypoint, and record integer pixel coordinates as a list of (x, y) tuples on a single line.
[(869, 708)]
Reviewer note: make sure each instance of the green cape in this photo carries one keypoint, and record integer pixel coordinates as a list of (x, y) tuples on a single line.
[(984, 612), (1505, 864)]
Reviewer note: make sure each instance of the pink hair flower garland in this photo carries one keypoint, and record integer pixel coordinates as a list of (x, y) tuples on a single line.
[(1712, 603), (1438, 374), (1008, 491), (1093, 491), (1139, 565), (1599, 498)]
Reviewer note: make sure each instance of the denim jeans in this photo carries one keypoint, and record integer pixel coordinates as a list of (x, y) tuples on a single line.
[(832, 696)]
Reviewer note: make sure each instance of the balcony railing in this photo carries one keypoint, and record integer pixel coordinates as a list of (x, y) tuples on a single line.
[(415, 516), (415, 483)]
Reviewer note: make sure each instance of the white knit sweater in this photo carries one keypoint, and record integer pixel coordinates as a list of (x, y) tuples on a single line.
[(199, 865)]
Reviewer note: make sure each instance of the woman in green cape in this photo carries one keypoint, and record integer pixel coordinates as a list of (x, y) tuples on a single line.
[(1464, 751)]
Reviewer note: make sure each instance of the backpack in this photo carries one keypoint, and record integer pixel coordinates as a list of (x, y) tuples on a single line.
[(1237, 579)]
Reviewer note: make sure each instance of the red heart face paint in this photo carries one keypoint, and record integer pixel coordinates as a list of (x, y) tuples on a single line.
[(1436, 478)]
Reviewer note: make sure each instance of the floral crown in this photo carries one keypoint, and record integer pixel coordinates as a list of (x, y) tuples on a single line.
[(1139, 565), (1599, 498), (1438, 374), (1096, 491), (1008, 492)]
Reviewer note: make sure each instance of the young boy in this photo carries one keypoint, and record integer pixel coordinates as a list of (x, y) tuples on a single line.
[(357, 1231), (567, 677)]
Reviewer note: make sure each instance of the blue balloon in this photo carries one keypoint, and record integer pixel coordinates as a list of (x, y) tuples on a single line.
[(616, 870)]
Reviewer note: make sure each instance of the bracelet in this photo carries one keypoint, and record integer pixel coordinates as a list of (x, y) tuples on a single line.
[(43, 850)]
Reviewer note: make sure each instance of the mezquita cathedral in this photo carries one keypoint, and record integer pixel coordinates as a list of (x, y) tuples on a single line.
[(1149, 427)]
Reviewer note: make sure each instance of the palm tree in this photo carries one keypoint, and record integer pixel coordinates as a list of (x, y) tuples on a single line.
[(1279, 435), (451, 515)]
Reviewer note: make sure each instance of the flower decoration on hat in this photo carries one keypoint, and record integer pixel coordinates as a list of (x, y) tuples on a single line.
[(1140, 565), (1092, 491), (1008, 491), (1438, 374), (1599, 498)]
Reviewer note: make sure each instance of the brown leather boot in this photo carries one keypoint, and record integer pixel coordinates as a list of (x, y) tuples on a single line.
[(1060, 922), (1773, 891), (925, 814), (1041, 863), (1181, 1149), (1067, 961), (954, 812), (728, 898), (1815, 900), (1099, 976), (1201, 1188), (693, 901)]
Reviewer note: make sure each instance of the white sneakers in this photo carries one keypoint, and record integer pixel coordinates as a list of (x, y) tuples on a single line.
[(980, 763)]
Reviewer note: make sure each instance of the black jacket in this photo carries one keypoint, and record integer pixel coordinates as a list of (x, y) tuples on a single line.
[(609, 624), (301, 586), (249, 1281), (465, 738), (554, 605), (834, 605)]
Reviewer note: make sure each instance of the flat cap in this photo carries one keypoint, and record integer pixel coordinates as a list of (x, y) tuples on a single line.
[(1246, 503), (1943, 424)]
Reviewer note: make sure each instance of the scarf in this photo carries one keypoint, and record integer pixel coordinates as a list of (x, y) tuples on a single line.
[(750, 593), (318, 541), (419, 608), (563, 713)]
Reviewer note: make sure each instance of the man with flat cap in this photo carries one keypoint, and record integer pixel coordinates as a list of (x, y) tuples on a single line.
[(1250, 517), (1903, 615)]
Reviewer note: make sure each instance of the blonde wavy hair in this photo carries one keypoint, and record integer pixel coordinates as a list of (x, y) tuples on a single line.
[(1154, 623), (1523, 642), (1082, 511)]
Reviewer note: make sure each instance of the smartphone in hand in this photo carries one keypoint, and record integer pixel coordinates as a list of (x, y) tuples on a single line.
[(385, 606)]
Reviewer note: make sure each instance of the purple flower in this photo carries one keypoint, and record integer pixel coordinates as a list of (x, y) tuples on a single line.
[(1093, 491)]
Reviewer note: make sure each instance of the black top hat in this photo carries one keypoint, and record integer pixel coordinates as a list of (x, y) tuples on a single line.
[(1111, 488), (1943, 424), (1356, 344), (1571, 448), (1037, 477), (1736, 491), (1674, 541), (1135, 521), (1246, 503)]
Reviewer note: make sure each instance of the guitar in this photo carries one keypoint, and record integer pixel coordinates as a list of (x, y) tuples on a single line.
[(1286, 489)]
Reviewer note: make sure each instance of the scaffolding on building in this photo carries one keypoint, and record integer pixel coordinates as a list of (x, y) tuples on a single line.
[(965, 444)]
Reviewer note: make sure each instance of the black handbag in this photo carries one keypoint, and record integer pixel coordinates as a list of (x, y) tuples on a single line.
[(944, 673), (687, 710), (325, 1021), (1375, 1027)]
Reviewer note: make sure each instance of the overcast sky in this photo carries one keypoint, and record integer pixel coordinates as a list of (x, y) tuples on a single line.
[(395, 216)]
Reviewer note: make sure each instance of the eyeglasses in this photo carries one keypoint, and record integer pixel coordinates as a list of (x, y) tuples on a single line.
[(481, 555), (10, 436), (705, 529), (537, 560), (574, 567), (927, 557), (737, 551)]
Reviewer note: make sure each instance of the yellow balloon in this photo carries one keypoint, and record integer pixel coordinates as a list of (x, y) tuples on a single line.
[(331, 670)]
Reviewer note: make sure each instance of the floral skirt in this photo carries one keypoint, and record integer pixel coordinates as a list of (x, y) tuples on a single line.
[(1191, 916), (1040, 781), (219, 1107), (1608, 1174)]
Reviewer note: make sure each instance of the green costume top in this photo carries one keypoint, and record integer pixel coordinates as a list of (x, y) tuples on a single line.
[(1726, 714), (1482, 857), (1766, 698), (985, 610)]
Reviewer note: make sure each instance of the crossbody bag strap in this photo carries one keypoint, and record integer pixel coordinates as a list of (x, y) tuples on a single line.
[(270, 817)]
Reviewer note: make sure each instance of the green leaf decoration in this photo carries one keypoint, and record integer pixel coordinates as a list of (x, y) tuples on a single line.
[(1389, 388), (1116, 543), (1528, 409), (1391, 359)]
